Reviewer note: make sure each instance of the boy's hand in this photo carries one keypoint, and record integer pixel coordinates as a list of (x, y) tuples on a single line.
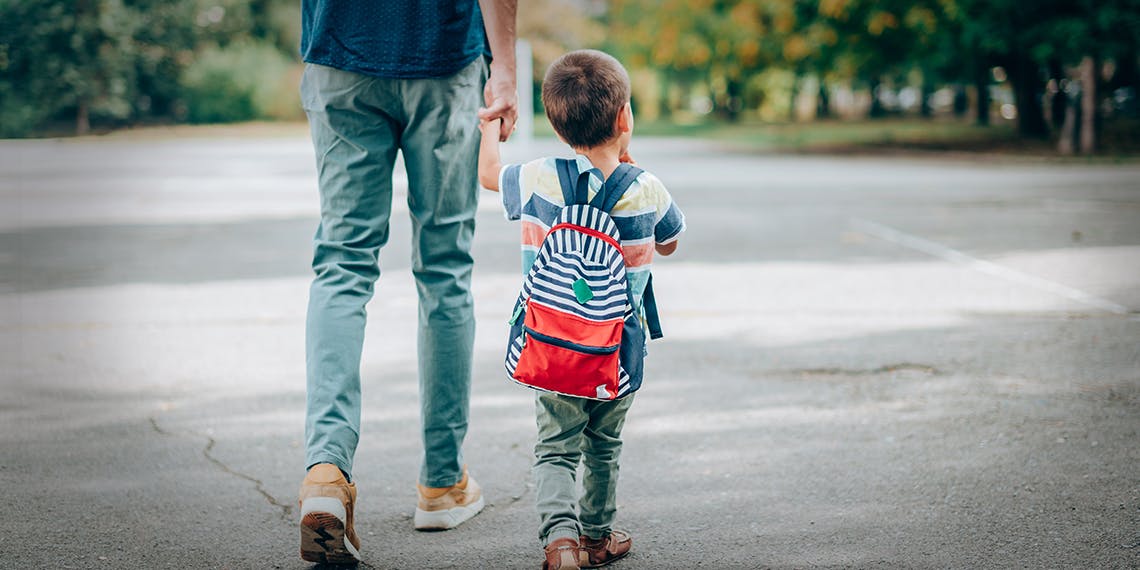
[(489, 164), (491, 124), (626, 158)]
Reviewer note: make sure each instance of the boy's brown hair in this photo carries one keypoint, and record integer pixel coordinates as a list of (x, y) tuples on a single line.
[(583, 92)]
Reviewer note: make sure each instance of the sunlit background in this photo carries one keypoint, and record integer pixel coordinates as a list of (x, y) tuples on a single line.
[(1060, 74), (902, 329)]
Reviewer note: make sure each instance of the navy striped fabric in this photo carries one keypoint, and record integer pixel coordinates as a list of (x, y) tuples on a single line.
[(568, 255), (646, 215)]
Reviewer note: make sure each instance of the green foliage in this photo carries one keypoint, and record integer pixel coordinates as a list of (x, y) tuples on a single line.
[(163, 42), (718, 43), (239, 82), (114, 62), (63, 55), (723, 44)]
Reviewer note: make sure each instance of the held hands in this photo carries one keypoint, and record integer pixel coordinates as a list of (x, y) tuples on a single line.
[(501, 98), (487, 126)]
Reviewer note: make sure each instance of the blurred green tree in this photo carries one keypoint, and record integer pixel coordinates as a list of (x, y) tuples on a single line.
[(1033, 42), (1085, 34), (719, 43), (115, 62), (60, 56)]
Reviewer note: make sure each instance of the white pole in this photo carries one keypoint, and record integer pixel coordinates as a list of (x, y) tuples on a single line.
[(524, 77)]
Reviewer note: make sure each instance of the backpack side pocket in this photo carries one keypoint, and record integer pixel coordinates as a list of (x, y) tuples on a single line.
[(632, 354), (515, 338)]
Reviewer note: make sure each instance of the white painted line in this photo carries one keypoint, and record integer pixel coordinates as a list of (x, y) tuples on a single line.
[(988, 267)]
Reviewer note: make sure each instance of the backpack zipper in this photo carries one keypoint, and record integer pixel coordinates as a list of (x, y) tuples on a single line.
[(597, 350)]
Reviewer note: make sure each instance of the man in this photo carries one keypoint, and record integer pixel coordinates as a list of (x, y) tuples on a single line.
[(380, 77)]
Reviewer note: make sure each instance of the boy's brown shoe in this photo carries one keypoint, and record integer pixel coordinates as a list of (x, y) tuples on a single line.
[(327, 501), (602, 551), (443, 508), (563, 554)]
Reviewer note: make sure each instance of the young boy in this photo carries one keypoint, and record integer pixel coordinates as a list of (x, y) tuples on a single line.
[(587, 98)]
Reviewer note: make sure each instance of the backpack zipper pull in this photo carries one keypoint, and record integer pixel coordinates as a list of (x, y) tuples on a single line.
[(515, 316)]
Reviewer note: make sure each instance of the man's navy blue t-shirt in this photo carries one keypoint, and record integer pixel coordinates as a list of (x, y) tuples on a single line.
[(404, 39)]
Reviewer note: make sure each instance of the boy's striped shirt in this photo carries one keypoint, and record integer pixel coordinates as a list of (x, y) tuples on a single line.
[(645, 215)]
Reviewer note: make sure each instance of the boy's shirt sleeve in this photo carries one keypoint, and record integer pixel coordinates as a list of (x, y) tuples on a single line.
[(670, 219), (510, 186)]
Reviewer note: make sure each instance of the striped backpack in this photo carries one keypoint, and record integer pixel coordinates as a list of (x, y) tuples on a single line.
[(574, 330)]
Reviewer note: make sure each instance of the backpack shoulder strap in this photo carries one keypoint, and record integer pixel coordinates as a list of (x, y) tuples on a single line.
[(619, 181), (575, 185), (567, 177), (649, 302)]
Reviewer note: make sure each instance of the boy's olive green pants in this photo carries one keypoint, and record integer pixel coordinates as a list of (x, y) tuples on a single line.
[(573, 430), (358, 123)]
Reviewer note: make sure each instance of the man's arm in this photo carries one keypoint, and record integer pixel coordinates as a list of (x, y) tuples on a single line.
[(501, 93), (489, 162)]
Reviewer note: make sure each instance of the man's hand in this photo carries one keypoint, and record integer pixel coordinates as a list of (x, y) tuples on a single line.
[(502, 99), (501, 95)]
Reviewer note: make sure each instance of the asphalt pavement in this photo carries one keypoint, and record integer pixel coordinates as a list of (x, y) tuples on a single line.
[(919, 361)]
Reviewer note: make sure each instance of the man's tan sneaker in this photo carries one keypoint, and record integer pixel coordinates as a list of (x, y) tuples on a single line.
[(443, 508), (327, 500)]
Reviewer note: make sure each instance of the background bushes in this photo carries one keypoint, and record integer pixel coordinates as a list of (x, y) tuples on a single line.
[(240, 82), (72, 66)]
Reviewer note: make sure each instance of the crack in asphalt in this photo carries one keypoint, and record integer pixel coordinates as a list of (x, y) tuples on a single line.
[(527, 483), (286, 510), (527, 486), (207, 452)]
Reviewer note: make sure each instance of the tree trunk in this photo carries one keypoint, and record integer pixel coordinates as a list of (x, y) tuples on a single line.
[(664, 109), (822, 102), (730, 105), (961, 101), (792, 98), (1027, 95), (1088, 105), (1058, 99), (82, 119), (982, 86), (1067, 142), (877, 111), (924, 103)]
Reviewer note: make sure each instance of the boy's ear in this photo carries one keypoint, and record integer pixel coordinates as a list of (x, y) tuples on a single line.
[(625, 119)]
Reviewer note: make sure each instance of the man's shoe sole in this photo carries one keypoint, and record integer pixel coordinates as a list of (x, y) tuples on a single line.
[(446, 519), (322, 533)]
